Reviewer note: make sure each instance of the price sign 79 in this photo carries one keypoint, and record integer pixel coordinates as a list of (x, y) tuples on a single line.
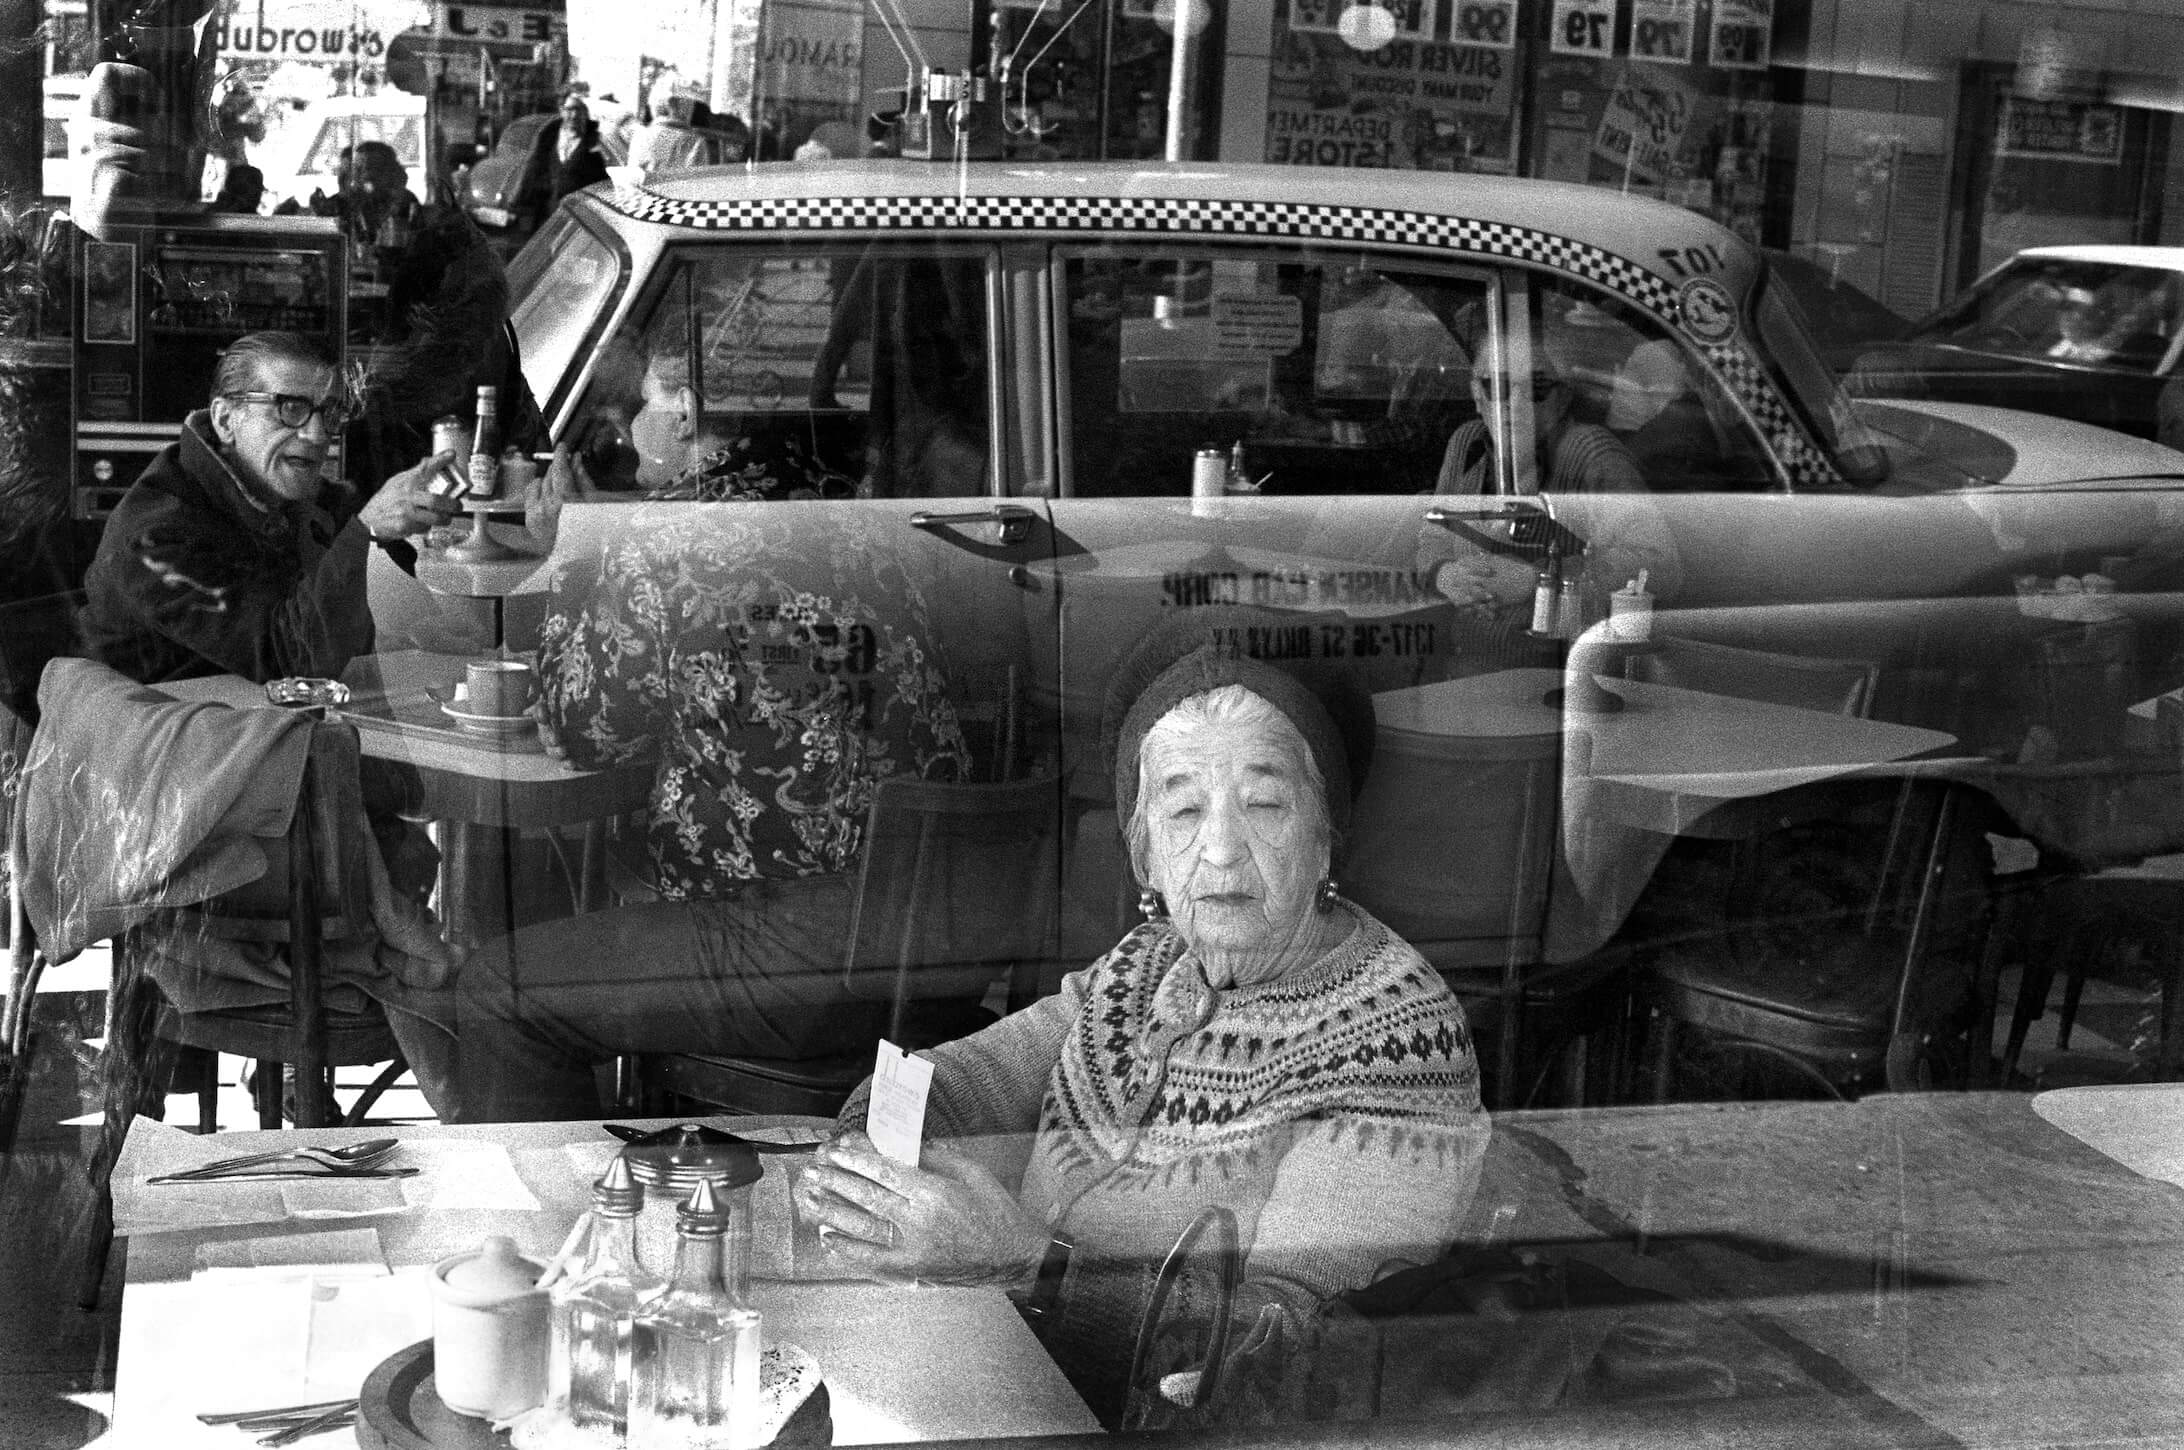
[(1583, 27), (1660, 30), (1485, 22)]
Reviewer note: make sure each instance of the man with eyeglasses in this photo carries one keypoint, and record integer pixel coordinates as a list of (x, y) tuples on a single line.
[(233, 553)]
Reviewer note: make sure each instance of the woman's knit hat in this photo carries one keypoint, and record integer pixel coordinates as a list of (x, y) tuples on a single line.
[(1194, 651)]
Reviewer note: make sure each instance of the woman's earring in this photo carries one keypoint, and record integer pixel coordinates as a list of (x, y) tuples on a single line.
[(1149, 902), (1328, 895)]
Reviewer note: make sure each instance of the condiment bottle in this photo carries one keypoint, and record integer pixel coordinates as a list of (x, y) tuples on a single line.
[(1547, 593), (595, 1310), (694, 1350), (485, 447), (1570, 608)]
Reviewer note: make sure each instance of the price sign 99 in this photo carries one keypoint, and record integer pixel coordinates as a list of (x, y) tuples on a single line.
[(1661, 30), (1739, 47), (1583, 27), (1486, 22)]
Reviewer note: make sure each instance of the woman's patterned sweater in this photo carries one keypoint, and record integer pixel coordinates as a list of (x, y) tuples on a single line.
[(1335, 1111)]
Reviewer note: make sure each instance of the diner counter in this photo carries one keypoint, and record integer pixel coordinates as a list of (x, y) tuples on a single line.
[(1930, 1269)]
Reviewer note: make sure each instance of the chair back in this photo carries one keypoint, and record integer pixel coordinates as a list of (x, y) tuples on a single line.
[(957, 883), (1811, 682)]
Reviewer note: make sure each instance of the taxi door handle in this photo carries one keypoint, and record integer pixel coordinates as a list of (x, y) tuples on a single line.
[(1533, 530), (1015, 520)]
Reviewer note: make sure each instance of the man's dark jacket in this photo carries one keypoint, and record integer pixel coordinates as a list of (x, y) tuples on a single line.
[(196, 576)]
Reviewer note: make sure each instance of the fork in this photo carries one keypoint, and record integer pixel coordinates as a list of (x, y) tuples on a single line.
[(351, 1155)]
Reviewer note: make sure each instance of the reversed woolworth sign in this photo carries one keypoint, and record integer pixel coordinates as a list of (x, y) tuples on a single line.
[(309, 32)]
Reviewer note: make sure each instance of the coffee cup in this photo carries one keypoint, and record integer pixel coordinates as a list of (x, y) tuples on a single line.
[(501, 688), (489, 1331)]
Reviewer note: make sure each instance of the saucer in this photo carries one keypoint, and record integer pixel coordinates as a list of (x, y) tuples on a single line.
[(487, 724)]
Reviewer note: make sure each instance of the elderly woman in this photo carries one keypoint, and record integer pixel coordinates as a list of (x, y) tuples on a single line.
[(1258, 1043)]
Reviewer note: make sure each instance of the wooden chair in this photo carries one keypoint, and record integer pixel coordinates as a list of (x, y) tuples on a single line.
[(1452, 846), (956, 885), (298, 905), (1824, 966)]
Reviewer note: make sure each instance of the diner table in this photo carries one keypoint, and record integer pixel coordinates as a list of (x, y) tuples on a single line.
[(469, 785), (1943, 1269), (1632, 778), (249, 1295)]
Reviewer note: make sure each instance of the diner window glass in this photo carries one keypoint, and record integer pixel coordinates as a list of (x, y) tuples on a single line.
[(796, 372), (1335, 373)]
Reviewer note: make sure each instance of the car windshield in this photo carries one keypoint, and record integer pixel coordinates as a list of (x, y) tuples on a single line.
[(2069, 310)]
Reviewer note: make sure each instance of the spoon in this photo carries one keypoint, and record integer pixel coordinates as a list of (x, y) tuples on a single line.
[(349, 1155)]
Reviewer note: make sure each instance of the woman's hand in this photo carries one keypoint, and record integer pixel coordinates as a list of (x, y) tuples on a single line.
[(948, 1221), (549, 739), (542, 508)]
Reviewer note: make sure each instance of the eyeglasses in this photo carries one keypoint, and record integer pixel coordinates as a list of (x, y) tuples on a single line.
[(295, 411)]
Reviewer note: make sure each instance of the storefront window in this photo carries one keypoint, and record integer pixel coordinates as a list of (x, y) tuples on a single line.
[(1450, 720)]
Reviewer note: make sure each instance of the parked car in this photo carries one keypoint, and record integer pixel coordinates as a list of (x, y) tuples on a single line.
[(488, 191), (304, 154), (1016, 375), (2089, 332)]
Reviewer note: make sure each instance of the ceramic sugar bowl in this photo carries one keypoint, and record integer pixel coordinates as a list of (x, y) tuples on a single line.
[(489, 1331)]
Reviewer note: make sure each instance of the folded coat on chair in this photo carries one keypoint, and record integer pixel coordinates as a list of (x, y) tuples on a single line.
[(134, 804)]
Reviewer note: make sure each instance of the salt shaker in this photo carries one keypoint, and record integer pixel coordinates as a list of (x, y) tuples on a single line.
[(694, 1349)]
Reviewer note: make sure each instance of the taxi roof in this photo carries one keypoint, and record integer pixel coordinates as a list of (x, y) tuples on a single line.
[(2170, 259), (1636, 229)]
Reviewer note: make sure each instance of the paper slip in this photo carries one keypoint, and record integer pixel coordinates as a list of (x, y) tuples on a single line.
[(895, 1119), (343, 1253)]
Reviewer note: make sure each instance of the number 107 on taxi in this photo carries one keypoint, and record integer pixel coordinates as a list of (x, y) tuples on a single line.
[(1584, 27)]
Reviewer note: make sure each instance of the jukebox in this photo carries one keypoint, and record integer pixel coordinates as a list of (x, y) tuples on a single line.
[(157, 303)]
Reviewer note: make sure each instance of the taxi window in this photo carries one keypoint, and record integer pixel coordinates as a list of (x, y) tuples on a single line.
[(1621, 370), (560, 283), (1336, 373), (770, 373)]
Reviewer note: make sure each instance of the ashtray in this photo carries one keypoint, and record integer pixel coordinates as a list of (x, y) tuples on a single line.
[(302, 692)]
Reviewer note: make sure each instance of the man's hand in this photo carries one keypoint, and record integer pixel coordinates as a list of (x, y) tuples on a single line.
[(1485, 581), (404, 506), (949, 1221)]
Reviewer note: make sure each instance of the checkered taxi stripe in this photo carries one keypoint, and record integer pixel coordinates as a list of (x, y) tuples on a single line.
[(1163, 216)]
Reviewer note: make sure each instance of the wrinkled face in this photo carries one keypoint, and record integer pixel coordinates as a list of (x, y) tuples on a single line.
[(573, 115), (1237, 843), (277, 460)]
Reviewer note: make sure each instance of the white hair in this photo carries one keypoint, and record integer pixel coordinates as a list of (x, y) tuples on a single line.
[(1227, 705)]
